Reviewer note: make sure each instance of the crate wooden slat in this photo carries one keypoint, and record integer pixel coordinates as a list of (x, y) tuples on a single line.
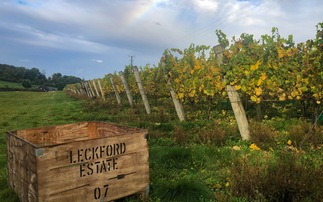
[(88, 161)]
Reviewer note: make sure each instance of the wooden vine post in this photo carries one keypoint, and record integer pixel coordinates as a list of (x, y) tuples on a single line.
[(115, 89), (178, 105), (126, 87), (141, 89), (91, 89), (235, 101), (83, 90), (87, 89), (101, 89), (95, 88)]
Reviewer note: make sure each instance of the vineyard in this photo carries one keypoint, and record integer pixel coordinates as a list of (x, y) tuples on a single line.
[(270, 70), (202, 101)]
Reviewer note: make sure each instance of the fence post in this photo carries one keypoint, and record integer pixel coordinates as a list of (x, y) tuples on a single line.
[(126, 88), (178, 105), (101, 90), (95, 88), (115, 89), (235, 101), (141, 89)]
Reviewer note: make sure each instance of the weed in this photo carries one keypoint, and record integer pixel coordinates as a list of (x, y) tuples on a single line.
[(180, 135), (185, 189), (304, 134), (214, 135), (281, 178), (262, 135)]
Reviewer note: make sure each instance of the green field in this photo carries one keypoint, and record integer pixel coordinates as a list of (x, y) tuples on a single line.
[(12, 85), (196, 160)]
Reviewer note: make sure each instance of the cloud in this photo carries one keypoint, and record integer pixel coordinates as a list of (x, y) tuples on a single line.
[(65, 35), (99, 61)]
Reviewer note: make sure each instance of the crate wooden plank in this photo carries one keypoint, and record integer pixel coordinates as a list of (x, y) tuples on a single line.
[(89, 161)]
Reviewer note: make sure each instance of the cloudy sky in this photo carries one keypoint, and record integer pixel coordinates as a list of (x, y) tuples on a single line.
[(89, 39)]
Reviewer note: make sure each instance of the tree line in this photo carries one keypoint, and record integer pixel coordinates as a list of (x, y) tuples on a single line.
[(33, 76)]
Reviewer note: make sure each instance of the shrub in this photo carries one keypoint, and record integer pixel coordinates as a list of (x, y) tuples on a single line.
[(26, 83), (262, 135), (280, 178), (212, 134), (304, 134)]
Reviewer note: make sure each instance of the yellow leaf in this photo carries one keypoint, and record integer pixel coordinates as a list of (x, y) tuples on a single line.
[(255, 66), (281, 53), (282, 97), (197, 66), (180, 95), (253, 98), (192, 93), (258, 91), (254, 147), (237, 87), (263, 76), (259, 82), (289, 142), (201, 88), (294, 93)]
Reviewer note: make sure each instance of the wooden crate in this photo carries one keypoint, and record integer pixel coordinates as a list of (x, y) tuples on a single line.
[(88, 161)]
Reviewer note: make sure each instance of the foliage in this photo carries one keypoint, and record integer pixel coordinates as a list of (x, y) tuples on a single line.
[(20, 74), (26, 83), (282, 177)]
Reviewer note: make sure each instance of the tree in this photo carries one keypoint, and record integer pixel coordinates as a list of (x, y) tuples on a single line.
[(26, 83)]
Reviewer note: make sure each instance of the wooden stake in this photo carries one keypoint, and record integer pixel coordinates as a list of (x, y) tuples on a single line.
[(101, 90), (178, 105), (95, 88), (91, 89), (115, 89), (141, 89), (235, 101), (126, 87)]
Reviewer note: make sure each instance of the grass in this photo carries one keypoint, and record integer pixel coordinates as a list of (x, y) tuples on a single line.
[(200, 160), (13, 85), (21, 110), (6, 84)]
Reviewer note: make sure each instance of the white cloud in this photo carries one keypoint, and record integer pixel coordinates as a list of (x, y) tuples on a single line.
[(99, 61), (114, 29)]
